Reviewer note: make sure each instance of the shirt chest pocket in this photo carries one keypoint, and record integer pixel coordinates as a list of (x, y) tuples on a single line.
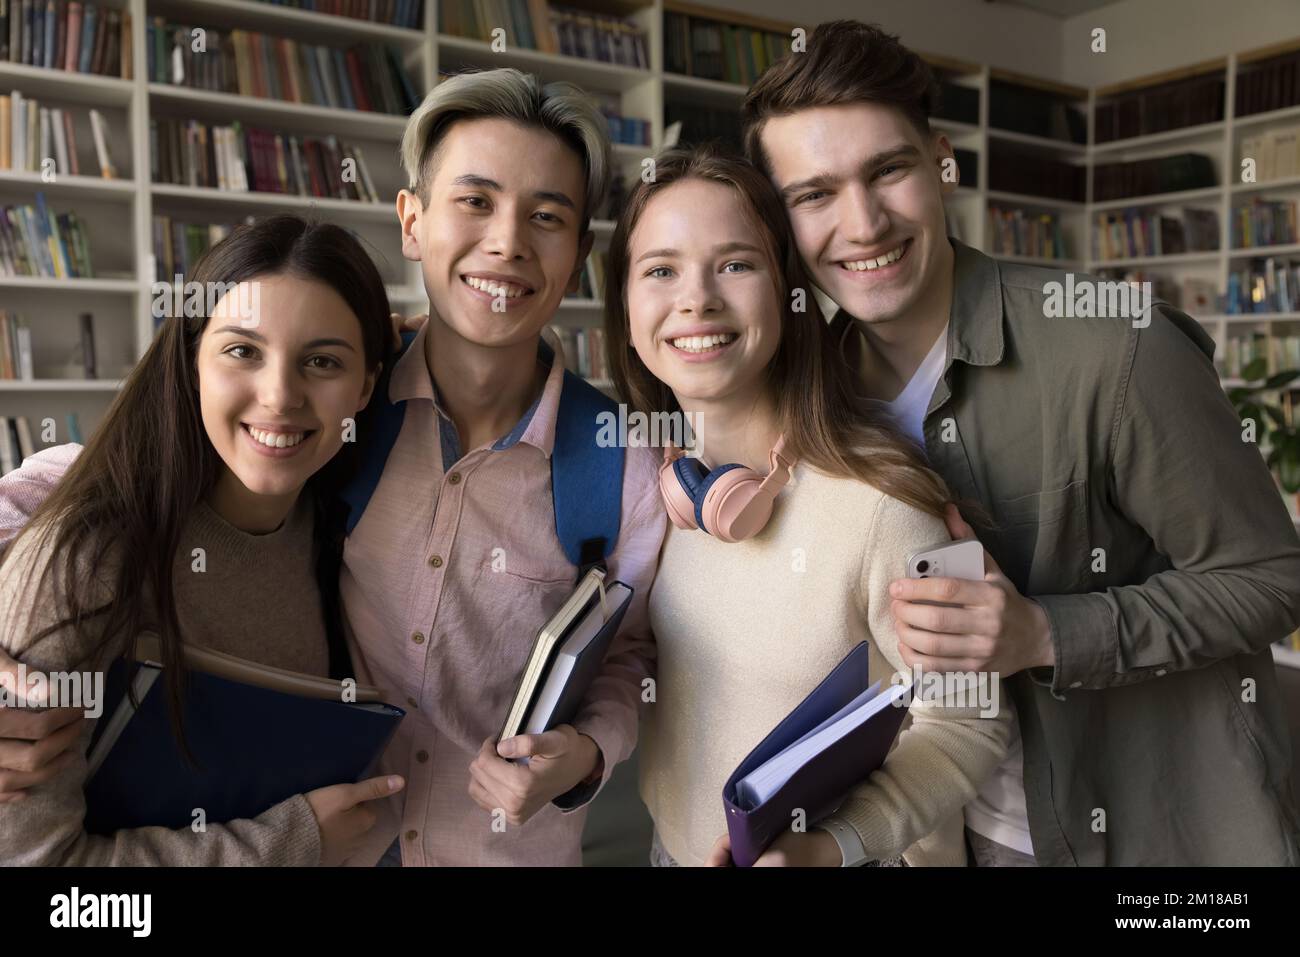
[(1041, 540)]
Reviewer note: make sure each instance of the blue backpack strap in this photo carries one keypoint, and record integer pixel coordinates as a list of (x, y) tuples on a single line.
[(586, 479), (386, 423)]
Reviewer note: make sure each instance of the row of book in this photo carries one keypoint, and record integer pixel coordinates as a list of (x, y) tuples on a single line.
[(15, 347), (591, 283), (34, 241), (584, 351), (1017, 232), (622, 129), (397, 13), (1196, 297), (1170, 106), (1272, 84), (31, 133), (701, 123), (15, 442), (1276, 153), (236, 158), (1263, 286), (1013, 171), (537, 25), (1282, 353), (719, 51), (72, 36), (178, 246), (1264, 222), (1162, 174), (1035, 112), (366, 77), (1132, 232)]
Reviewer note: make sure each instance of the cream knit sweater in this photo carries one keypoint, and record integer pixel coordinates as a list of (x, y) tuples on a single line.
[(744, 631), (257, 599)]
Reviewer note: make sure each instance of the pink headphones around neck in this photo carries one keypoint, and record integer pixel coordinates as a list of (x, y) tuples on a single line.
[(731, 502)]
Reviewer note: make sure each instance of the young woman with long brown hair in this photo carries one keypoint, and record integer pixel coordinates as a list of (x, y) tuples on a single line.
[(201, 510), (709, 312)]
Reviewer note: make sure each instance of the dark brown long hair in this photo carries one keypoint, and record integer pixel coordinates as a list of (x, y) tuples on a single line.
[(123, 503), (827, 422)]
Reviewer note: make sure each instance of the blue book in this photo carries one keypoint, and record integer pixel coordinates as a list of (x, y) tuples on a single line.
[(87, 48), (258, 735)]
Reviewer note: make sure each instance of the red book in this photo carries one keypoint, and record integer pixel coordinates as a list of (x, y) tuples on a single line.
[(358, 87), (288, 88)]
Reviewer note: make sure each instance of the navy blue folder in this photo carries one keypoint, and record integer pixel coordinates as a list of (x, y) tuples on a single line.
[(254, 748), (820, 785)]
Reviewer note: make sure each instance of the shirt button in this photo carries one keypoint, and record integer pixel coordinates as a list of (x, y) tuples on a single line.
[(418, 638), (436, 561), (412, 835), (422, 756), (454, 478), (1077, 684)]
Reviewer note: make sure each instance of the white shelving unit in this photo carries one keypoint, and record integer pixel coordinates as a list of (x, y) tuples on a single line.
[(123, 209)]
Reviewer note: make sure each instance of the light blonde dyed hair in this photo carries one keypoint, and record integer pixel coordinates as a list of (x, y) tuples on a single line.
[(561, 109)]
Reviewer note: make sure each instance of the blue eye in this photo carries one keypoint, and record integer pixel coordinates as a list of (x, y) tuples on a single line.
[(659, 272), (736, 262)]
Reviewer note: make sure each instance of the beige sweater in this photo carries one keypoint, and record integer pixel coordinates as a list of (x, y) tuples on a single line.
[(258, 599), (745, 631)]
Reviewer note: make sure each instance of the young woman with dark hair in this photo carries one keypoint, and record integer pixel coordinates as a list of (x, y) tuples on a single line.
[(202, 510)]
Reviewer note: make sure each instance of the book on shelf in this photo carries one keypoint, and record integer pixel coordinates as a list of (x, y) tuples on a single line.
[(89, 362), (35, 241), (1267, 285), (1162, 174), (1020, 232), (397, 13), (537, 25), (701, 123), (31, 133), (15, 442), (15, 347), (1018, 108), (1272, 84), (1136, 231), (1276, 153), (178, 246), (584, 351), (1243, 348), (714, 50), (1012, 170), (366, 76), (1194, 101), (71, 36), (622, 129), (1264, 222), (238, 158)]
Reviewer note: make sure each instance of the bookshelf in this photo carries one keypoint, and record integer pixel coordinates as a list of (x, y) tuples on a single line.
[(119, 213)]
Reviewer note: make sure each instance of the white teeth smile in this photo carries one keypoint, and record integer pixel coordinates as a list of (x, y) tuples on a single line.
[(893, 256), (276, 440), (495, 287), (702, 343)]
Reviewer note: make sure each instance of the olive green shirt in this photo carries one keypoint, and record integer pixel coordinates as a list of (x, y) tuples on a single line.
[(1124, 500)]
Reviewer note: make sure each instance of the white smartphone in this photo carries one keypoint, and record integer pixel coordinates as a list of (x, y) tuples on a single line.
[(960, 559)]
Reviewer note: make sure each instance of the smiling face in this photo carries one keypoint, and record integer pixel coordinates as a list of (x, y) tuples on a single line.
[(499, 239), (702, 301), (274, 391), (864, 193)]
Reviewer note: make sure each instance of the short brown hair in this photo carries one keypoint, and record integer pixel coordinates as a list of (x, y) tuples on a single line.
[(846, 62)]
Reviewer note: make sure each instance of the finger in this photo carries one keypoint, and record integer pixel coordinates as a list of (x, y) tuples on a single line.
[(32, 725), (933, 645), (931, 664), (950, 591), (19, 755), (720, 853), (413, 323), (958, 527), (480, 796), (944, 621), (549, 744), (504, 778), (12, 781), (13, 798), (373, 789)]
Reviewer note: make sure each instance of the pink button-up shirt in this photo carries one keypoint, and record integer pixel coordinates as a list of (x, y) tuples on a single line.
[(447, 578)]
